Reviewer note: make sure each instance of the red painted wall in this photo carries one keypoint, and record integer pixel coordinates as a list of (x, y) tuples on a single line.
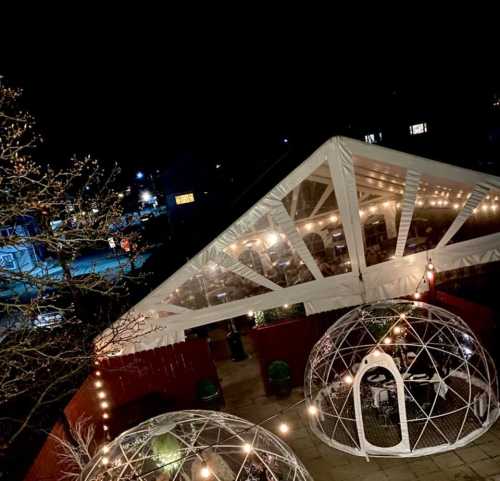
[(169, 375)]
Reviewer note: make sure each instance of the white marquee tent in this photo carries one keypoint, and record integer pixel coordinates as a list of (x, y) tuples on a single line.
[(354, 223)]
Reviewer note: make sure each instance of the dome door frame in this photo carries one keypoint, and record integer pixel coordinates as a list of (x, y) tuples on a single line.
[(381, 359)]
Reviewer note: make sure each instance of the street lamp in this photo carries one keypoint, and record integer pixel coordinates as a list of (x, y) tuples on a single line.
[(139, 175)]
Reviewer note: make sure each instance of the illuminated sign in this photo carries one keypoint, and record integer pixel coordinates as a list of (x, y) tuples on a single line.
[(184, 198)]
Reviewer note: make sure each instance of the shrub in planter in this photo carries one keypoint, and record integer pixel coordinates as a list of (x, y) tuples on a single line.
[(279, 378), (208, 394)]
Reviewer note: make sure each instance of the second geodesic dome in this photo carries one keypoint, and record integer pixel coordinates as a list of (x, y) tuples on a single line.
[(400, 378), (196, 445)]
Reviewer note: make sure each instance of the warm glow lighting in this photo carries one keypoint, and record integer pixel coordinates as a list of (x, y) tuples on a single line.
[(96, 363), (333, 218), (105, 405), (396, 330), (387, 340), (146, 196), (402, 316), (386, 204), (312, 410), (474, 211), (456, 206), (247, 448), (433, 202), (104, 460), (285, 306), (309, 226), (398, 205), (484, 207), (430, 275), (376, 353), (205, 472), (283, 428), (373, 209), (233, 247), (494, 207), (250, 313), (98, 384), (101, 394), (320, 222), (98, 373), (272, 238), (430, 266), (348, 379), (361, 213), (416, 295), (105, 416), (105, 427), (105, 449)]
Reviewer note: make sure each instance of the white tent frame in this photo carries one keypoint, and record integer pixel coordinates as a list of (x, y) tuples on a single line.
[(393, 278)]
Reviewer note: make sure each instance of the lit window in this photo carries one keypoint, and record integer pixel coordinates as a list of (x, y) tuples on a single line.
[(373, 138), (184, 198), (417, 129)]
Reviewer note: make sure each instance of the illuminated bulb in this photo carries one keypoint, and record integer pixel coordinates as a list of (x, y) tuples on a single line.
[(105, 449), (445, 202), (233, 247), (105, 427), (420, 203), (348, 379), (484, 207), (396, 330), (250, 313), (257, 242), (398, 205), (101, 394), (386, 204), (247, 448), (430, 266), (433, 203), (494, 207), (440, 203), (285, 306), (459, 195), (333, 218), (205, 472), (387, 340), (416, 295), (96, 363), (284, 428), (320, 222), (272, 238), (105, 416), (474, 211), (373, 209), (105, 405), (456, 206), (430, 275), (309, 226), (361, 213), (146, 196), (496, 197), (120, 195), (487, 197), (98, 384), (376, 353), (312, 410), (97, 373), (105, 460), (402, 316)]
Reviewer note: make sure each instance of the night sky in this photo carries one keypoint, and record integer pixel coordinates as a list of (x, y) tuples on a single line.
[(145, 103)]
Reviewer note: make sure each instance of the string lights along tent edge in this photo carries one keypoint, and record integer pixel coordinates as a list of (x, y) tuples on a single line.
[(397, 277)]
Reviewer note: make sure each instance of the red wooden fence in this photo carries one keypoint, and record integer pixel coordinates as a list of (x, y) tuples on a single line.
[(168, 375)]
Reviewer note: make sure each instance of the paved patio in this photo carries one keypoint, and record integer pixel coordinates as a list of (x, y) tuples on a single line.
[(244, 395)]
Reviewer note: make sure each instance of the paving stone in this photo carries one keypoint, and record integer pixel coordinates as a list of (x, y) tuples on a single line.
[(491, 449), (487, 467), (400, 473), (447, 460), (471, 454), (423, 466)]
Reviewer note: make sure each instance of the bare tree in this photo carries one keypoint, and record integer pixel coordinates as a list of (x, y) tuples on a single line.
[(60, 286), (77, 449)]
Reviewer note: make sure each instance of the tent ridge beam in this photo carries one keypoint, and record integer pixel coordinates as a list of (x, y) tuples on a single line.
[(407, 209)]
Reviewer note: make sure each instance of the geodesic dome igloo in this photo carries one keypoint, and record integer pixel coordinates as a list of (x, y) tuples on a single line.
[(400, 378), (195, 445)]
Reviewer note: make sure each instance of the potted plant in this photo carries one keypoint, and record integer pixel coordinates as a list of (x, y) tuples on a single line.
[(279, 378), (208, 394)]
